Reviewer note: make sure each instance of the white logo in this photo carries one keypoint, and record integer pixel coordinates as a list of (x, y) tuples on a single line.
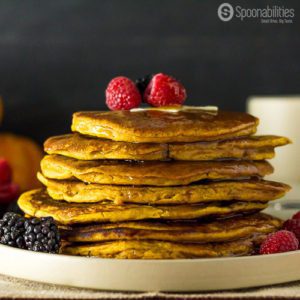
[(225, 12)]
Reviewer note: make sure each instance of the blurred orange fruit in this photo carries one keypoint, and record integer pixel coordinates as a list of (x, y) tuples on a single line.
[(24, 157)]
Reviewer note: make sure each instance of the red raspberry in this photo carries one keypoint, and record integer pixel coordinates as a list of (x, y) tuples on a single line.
[(9, 192), (122, 94), (164, 90), (293, 225), (280, 241), (5, 172), (296, 216)]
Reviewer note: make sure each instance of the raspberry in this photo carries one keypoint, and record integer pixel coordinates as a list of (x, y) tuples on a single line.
[(296, 216), (280, 241), (293, 225), (5, 172), (9, 192), (164, 90), (122, 94)]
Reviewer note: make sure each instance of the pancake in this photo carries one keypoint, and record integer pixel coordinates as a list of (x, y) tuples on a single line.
[(251, 148), (157, 126), (176, 231), (164, 250), (39, 204), (89, 148), (244, 190), (149, 172)]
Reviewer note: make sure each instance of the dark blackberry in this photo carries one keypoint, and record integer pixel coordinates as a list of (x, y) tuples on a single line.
[(12, 230), (33, 234), (42, 235), (142, 83)]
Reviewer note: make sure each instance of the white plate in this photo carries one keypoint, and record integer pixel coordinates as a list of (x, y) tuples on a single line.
[(151, 275)]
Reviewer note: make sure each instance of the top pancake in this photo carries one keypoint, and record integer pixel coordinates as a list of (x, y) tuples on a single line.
[(91, 148), (158, 126)]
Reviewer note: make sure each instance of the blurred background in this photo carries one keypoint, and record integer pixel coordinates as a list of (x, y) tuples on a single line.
[(58, 56)]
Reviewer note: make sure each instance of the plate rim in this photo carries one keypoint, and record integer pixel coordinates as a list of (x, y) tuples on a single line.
[(137, 260)]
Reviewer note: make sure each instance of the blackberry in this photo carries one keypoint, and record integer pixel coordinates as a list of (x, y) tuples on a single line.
[(12, 230), (42, 235), (34, 234), (142, 83)]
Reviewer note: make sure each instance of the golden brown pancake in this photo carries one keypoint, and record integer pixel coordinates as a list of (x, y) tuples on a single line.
[(164, 250), (176, 231), (149, 172), (90, 148), (39, 204), (162, 126), (253, 148), (244, 190)]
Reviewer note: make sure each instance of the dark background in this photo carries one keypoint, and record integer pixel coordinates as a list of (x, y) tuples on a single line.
[(56, 57)]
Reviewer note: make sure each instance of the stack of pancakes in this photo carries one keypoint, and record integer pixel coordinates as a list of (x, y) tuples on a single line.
[(159, 184)]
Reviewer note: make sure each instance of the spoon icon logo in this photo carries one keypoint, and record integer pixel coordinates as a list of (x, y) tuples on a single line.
[(225, 12)]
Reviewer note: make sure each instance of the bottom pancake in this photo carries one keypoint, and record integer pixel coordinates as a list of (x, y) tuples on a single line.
[(177, 231), (164, 250), (39, 204)]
